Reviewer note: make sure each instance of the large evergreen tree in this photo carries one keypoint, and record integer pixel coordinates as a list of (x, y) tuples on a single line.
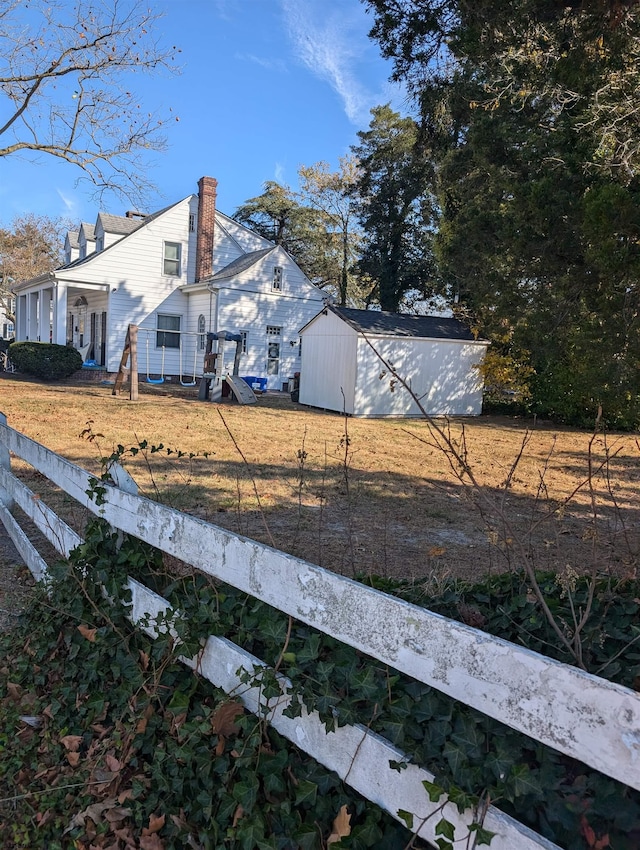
[(395, 207), (536, 104)]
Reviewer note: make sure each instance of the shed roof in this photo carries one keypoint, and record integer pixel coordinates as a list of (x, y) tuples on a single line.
[(400, 324)]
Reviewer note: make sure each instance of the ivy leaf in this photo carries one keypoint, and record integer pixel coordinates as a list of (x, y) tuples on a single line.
[(522, 782), (434, 791), (483, 836), (446, 828), (306, 837), (407, 817), (306, 792), (456, 757)]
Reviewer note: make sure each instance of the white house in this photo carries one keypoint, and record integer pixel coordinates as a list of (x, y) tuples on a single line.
[(352, 359), (6, 325), (177, 274)]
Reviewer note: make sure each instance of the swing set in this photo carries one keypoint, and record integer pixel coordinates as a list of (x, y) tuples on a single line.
[(214, 373), (160, 379)]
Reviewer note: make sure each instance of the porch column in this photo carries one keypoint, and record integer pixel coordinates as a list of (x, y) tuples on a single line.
[(60, 314), (21, 318), (32, 315), (44, 315)]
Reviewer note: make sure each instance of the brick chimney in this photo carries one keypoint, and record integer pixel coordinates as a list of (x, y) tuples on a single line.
[(207, 189)]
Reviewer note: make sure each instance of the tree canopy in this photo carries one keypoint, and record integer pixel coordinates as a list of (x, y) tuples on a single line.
[(66, 87), (534, 105), (29, 247), (395, 207)]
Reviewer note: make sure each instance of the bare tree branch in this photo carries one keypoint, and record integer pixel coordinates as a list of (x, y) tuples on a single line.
[(66, 87)]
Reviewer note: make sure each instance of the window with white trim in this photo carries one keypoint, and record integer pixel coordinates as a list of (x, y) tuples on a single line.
[(192, 222), (244, 335), (172, 252), (273, 330), (277, 279), (202, 325), (168, 331)]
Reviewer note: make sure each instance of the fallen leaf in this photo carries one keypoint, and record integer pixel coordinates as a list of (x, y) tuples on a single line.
[(223, 718), (341, 826), (237, 816), (73, 759), (14, 691), (103, 776), (151, 842), (116, 814), (89, 634), (156, 823), (112, 763), (71, 742), (94, 812), (125, 834), (142, 723)]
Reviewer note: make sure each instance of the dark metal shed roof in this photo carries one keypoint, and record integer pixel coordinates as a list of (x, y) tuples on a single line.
[(400, 324)]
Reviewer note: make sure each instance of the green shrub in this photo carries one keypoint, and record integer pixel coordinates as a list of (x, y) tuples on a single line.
[(45, 360)]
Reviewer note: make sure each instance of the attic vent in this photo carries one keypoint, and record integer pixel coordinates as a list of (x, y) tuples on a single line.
[(135, 214)]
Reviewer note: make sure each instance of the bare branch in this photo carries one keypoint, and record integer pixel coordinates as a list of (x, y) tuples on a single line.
[(66, 87)]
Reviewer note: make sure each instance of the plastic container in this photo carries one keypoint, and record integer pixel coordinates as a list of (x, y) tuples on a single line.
[(259, 384)]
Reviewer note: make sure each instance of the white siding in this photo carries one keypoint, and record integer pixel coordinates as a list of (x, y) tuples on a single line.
[(246, 239), (336, 359), (443, 375), (138, 288), (248, 303), (328, 374)]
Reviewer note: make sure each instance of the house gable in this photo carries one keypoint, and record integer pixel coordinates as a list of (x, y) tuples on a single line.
[(86, 240), (270, 272)]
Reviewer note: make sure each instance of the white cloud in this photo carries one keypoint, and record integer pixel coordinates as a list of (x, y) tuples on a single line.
[(331, 42), (268, 64), (70, 203), (279, 172)]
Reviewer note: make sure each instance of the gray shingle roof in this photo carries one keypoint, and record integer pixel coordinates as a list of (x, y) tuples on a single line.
[(399, 324), (240, 264), (119, 224), (74, 238), (89, 231)]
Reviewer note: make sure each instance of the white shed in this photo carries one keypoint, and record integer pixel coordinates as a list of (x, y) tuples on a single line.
[(343, 364)]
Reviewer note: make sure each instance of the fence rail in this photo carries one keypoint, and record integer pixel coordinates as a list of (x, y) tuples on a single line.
[(576, 713)]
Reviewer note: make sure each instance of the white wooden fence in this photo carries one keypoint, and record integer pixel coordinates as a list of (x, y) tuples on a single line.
[(573, 712)]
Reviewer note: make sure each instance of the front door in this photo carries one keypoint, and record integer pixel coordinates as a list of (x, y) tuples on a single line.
[(274, 334)]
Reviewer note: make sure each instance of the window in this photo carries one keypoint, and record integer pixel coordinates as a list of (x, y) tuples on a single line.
[(192, 222), (244, 335), (172, 258), (273, 330), (277, 278), (201, 331), (168, 333), (100, 243)]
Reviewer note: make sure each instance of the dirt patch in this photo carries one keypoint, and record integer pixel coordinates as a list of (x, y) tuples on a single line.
[(356, 496)]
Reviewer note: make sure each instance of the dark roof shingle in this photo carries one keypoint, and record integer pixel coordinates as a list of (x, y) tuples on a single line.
[(400, 324)]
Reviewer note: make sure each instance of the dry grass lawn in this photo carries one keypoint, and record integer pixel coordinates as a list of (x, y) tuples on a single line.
[(356, 496)]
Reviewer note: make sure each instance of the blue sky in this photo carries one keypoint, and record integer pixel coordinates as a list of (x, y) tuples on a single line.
[(266, 85)]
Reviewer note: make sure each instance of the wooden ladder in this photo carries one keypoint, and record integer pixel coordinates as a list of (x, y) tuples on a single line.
[(130, 350)]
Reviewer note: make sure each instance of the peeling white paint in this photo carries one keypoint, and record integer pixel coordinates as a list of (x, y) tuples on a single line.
[(578, 714)]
